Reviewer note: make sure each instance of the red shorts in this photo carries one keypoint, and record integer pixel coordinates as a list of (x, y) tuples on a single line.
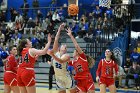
[(10, 79), (106, 81), (85, 84), (25, 77)]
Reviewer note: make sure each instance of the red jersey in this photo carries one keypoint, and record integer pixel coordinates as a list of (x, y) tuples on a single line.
[(107, 68), (26, 61), (11, 64), (80, 65)]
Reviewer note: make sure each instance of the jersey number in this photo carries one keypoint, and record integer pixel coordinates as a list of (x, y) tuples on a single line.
[(25, 59), (57, 65), (79, 68)]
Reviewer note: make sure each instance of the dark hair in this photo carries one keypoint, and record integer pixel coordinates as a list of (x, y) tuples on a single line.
[(11, 47), (90, 60), (21, 45), (114, 58)]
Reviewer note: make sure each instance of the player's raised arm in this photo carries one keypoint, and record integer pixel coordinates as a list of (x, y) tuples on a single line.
[(69, 32), (34, 51), (64, 58), (55, 45)]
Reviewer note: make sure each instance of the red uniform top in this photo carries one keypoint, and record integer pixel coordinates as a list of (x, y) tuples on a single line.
[(11, 64), (107, 68), (80, 65), (26, 61)]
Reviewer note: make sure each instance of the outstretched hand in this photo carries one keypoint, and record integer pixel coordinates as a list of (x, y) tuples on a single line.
[(69, 32), (62, 26)]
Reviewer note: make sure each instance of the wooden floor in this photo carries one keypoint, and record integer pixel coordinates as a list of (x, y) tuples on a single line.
[(43, 88)]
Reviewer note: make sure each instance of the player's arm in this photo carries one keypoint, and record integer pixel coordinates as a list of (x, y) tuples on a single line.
[(64, 58), (69, 32), (55, 45), (98, 70), (34, 51), (4, 61)]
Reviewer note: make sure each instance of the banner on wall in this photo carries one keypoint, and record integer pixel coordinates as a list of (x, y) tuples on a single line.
[(119, 47), (118, 54), (3, 5)]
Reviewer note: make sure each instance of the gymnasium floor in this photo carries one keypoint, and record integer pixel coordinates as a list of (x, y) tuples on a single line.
[(43, 88)]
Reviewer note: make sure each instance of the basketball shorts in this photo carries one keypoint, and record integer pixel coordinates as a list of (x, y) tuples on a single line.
[(64, 82), (106, 81), (25, 77), (85, 84), (10, 78)]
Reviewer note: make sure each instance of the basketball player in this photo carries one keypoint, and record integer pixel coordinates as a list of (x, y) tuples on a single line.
[(10, 73), (60, 58), (25, 72), (107, 68), (83, 76)]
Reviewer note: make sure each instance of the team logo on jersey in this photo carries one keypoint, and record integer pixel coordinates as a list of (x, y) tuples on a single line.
[(118, 54)]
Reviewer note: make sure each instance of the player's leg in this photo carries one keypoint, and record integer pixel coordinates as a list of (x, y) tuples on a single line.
[(7, 89), (81, 92), (90, 85), (91, 91), (31, 89), (23, 90), (102, 88), (29, 82), (112, 88), (73, 90), (70, 84), (61, 91), (15, 89)]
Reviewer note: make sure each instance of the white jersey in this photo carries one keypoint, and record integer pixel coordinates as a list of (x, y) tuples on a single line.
[(62, 76), (60, 68)]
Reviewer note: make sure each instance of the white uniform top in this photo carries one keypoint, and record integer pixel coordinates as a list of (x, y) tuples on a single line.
[(60, 68)]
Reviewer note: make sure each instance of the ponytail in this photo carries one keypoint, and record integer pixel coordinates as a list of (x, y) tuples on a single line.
[(90, 61), (21, 45), (115, 59)]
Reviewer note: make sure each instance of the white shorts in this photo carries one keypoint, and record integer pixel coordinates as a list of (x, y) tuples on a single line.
[(64, 82)]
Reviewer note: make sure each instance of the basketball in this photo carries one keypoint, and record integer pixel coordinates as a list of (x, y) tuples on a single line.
[(73, 9)]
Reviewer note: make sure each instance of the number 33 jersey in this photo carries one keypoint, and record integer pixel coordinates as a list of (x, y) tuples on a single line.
[(26, 60), (59, 68)]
